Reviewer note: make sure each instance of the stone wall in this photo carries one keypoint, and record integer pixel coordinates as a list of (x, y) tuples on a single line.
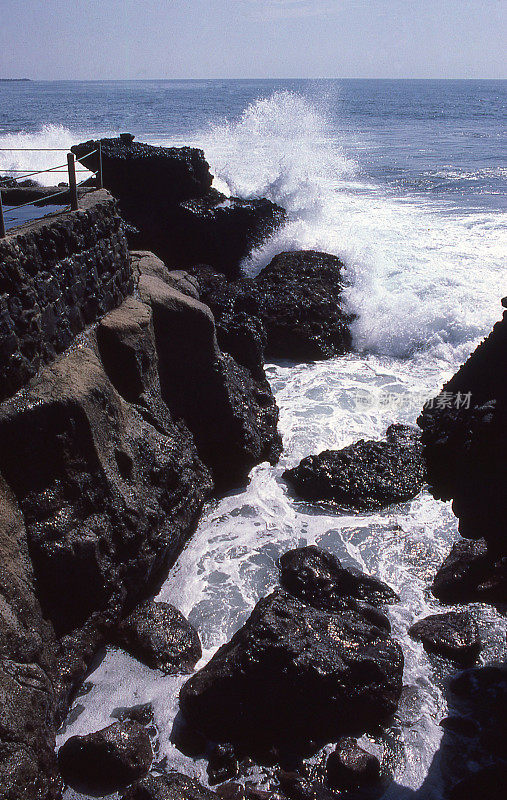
[(58, 274)]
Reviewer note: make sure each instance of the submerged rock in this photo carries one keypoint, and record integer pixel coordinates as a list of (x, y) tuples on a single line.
[(171, 786), (166, 194), (453, 635), (366, 475), (293, 678), (108, 760), (160, 636), (351, 767), (298, 299), (318, 578), (222, 764), (470, 574)]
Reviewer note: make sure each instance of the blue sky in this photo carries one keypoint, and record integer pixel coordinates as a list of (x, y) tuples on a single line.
[(94, 39)]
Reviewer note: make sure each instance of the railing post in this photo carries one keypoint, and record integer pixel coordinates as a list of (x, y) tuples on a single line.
[(100, 178), (71, 163), (2, 221)]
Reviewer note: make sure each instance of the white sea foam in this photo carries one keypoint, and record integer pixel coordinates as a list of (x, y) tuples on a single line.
[(16, 153)]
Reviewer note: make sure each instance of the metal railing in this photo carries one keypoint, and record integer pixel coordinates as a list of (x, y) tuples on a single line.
[(69, 168)]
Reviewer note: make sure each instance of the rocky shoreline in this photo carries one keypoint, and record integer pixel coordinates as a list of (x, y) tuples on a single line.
[(133, 386)]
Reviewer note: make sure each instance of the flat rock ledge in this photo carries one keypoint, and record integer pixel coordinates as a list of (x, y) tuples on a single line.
[(366, 475)]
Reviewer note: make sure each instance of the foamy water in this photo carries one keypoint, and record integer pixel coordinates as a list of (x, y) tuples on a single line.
[(424, 276)]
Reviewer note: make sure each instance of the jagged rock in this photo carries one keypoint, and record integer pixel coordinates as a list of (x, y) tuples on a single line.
[(233, 418), (318, 578), (171, 786), (351, 767), (453, 635), (300, 298), (297, 298), (293, 678), (166, 194), (366, 475), (108, 499), (470, 574), (465, 440), (107, 760), (222, 764), (160, 636)]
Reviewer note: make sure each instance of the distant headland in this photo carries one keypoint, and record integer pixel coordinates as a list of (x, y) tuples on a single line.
[(14, 80)]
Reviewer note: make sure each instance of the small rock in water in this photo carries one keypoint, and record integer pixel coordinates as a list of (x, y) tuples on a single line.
[(470, 573), (160, 636), (366, 475), (453, 635), (107, 760), (318, 578), (143, 713), (171, 786), (222, 764), (351, 767)]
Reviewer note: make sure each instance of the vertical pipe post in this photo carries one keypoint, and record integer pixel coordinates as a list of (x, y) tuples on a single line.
[(71, 163), (99, 176), (2, 221)]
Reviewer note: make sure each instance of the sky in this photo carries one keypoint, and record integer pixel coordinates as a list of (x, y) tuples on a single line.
[(135, 39)]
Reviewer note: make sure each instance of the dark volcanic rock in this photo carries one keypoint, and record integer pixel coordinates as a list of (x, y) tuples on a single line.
[(297, 298), (222, 764), (166, 194), (487, 782), (107, 760), (318, 578), (171, 786), (465, 440), (470, 574), (300, 297), (366, 475), (293, 678), (351, 767), (160, 636), (453, 635)]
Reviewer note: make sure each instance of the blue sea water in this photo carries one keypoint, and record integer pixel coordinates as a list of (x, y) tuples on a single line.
[(405, 181)]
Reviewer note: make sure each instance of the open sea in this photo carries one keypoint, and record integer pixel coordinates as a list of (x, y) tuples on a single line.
[(405, 181)]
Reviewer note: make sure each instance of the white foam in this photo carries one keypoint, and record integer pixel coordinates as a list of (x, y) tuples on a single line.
[(32, 160)]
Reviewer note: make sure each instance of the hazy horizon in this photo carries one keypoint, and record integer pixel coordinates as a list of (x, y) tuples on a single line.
[(253, 40)]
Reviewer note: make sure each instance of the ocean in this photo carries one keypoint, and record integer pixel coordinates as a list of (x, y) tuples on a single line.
[(405, 181)]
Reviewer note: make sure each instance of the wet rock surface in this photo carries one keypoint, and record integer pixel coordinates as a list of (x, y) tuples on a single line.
[(293, 678), (453, 635), (298, 299), (160, 636), (107, 760), (366, 475), (166, 195), (351, 767), (465, 439), (318, 578), (172, 786), (470, 574)]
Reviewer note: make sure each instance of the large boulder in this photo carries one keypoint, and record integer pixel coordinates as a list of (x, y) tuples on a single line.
[(465, 439), (108, 760), (366, 475), (298, 297), (166, 194), (470, 574), (294, 677), (160, 636), (453, 635), (233, 416)]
